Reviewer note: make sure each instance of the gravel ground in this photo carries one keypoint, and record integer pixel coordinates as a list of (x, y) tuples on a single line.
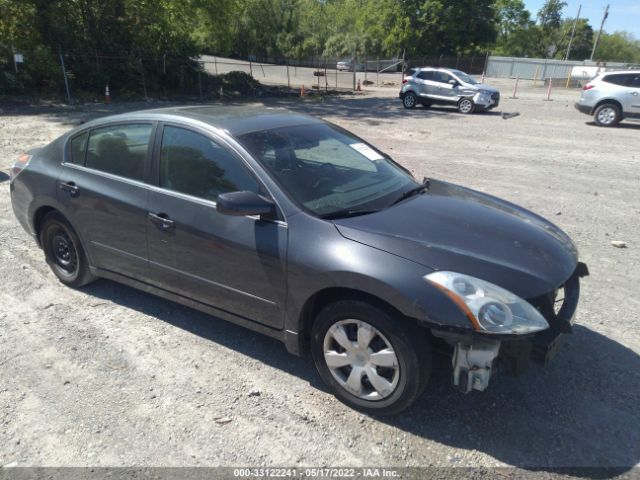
[(110, 376)]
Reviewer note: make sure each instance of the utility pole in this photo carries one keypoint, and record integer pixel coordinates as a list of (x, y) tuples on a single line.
[(573, 32), (595, 44)]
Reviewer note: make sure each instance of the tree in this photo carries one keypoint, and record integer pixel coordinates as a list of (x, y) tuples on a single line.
[(582, 40), (618, 47), (515, 28), (550, 22)]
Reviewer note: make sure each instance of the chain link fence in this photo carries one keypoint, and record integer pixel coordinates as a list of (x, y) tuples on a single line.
[(78, 76)]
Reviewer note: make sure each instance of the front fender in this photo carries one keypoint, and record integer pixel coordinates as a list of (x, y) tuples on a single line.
[(320, 258)]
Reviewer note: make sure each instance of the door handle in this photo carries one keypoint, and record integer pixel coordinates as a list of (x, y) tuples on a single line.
[(70, 187), (162, 221), (635, 93)]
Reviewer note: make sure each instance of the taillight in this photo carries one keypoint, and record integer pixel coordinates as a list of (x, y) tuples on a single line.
[(588, 86), (19, 165), (404, 80)]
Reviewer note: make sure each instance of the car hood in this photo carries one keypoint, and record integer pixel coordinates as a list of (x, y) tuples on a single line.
[(483, 86), (454, 228)]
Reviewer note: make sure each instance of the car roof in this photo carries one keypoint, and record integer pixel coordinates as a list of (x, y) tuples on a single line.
[(234, 119), (616, 72)]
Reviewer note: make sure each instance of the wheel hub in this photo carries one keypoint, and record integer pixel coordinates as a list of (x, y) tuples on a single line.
[(64, 251)]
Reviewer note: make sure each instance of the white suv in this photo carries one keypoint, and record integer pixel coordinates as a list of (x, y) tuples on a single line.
[(611, 96)]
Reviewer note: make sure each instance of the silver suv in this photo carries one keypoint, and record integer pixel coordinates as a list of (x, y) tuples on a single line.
[(429, 86), (611, 96)]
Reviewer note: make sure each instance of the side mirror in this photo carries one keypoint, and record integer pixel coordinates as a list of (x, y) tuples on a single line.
[(244, 203), (453, 82)]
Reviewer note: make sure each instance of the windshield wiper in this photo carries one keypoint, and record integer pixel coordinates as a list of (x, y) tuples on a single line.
[(347, 213), (414, 191)]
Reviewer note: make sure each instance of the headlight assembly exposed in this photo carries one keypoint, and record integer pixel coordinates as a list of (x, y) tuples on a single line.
[(490, 308)]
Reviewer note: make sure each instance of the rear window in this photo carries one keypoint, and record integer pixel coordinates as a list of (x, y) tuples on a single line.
[(78, 147), (622, 79)]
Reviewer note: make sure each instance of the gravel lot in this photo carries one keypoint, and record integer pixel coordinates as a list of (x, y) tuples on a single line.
[(110, 376)]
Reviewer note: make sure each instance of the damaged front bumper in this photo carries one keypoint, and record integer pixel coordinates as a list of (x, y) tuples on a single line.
[(486, 100), (477, 357)]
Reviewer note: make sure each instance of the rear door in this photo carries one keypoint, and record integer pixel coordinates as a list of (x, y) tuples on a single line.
[(236, 264), (103, 192), (424, 83)]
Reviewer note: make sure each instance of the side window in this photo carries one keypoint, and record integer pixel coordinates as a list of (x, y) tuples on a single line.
[(119, 149), (427, 75), (78, 148), (442, 77), (622, 80), (635, 82), (194, 164)]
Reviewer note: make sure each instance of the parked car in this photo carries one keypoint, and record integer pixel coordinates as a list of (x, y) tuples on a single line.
[(611, 97), (348, 64), (298, 229), (446, 86)]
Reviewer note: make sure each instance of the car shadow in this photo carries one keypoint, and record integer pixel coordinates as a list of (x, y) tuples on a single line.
[(579, 412), (357, 107), (626, 124), (3, 177)]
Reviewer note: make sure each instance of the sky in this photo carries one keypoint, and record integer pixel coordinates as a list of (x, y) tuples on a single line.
[(623, 14)]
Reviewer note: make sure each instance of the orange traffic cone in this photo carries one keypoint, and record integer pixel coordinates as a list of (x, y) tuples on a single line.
[(302, 91), (359, 88), (107, 95)]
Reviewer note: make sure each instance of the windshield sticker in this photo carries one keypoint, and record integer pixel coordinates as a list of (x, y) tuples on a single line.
[(366, 150)]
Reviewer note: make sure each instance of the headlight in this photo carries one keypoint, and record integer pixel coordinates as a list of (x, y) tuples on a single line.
[(490, 308), (484, 92)]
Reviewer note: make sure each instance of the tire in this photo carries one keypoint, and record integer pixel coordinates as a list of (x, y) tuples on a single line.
[(64, 252), (400, 374), (466, 106), (409, 100), (607, 115)]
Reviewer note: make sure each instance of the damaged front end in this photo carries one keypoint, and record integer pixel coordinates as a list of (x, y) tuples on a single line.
[(478, 355)]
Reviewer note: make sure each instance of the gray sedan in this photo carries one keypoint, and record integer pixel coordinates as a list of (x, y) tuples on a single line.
[(298, 229)]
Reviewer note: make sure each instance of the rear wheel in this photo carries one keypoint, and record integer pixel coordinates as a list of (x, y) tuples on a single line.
[(371, 360), (409, 100), (63, 251), (466, 105), (607, 115)]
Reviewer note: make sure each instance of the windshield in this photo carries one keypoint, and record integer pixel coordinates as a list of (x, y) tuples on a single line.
[(327, 170), (465, 78)]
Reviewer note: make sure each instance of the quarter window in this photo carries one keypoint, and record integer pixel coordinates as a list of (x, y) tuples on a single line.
[(78, 148), (120, 150), (621, 79), (427, 75), (194, 164)]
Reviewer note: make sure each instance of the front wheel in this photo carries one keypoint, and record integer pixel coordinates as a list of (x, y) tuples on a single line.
[(63, 251), (607, 115), (466, 105), (371, 360), (409, 100)]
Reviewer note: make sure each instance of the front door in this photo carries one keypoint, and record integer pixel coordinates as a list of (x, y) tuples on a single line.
[(632, 96), (236, 264), (103, 193)]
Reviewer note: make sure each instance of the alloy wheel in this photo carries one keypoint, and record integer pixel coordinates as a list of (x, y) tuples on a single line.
[(607, 116)]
